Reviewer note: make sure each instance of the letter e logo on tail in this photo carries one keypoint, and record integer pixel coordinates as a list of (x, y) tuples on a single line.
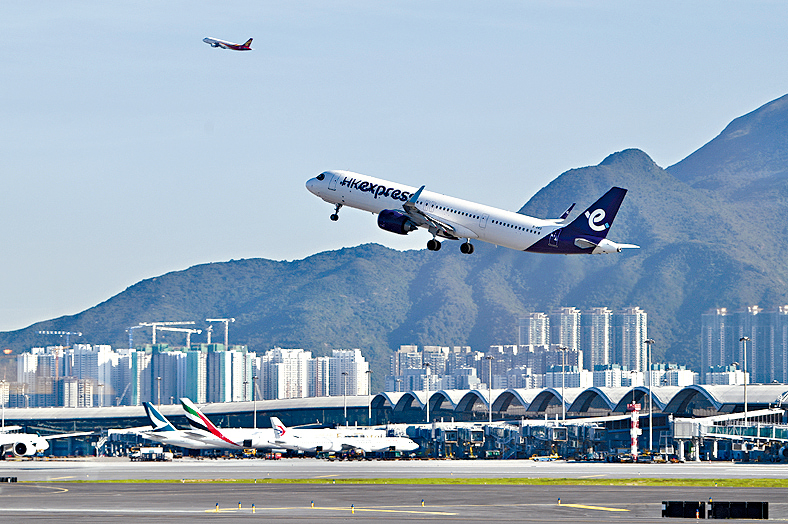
[(595, 218)]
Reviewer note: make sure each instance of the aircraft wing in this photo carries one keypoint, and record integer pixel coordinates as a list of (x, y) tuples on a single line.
[(66, 435), (435, 225)]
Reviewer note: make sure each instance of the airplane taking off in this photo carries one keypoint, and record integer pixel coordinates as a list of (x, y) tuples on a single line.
[(215, 42), (402, 209)]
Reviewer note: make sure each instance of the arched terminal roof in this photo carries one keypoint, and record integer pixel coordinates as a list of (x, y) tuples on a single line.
[(553, 395), (523, 397)]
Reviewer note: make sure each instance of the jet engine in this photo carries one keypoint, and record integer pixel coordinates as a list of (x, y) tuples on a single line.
[(783, 453), (22, 449), (395, 222)]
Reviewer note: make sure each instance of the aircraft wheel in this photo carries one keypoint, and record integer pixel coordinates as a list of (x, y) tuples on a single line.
[(334, 217), (433, 245), (466, 248)]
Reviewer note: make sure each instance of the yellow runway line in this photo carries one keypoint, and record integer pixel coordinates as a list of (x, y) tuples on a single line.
[(369, 510), (599, 508)]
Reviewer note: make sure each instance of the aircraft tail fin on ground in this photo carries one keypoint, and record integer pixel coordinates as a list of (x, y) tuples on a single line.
[(597, 219), (199, 421), (279, 429), (158, 421)]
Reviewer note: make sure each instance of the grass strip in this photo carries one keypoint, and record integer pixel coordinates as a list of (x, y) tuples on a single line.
[(667, 482)]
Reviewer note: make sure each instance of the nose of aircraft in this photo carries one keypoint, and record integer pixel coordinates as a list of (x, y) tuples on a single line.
[(312, 185)]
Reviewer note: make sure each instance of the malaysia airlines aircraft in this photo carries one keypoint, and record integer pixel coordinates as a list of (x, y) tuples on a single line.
[(215, 42), (402, 209)]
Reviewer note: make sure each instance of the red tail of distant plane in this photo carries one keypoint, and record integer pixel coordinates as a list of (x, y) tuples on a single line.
[(248, 43)]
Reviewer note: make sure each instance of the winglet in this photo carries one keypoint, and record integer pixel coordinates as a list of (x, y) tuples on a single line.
[(415, 198), (566, 213)]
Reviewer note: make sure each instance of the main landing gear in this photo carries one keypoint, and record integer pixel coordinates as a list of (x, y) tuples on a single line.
[(466, 248), (335, 216)]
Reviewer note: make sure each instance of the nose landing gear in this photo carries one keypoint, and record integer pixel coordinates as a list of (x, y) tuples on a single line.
[(335, 216)]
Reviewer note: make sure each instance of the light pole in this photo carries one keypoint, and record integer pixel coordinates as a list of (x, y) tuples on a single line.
[(399, 381), (101, 395), (563, 350), (489, 386), (648, 342), (344, 394), (2, 397), (744, 341), (369, 394), (254, 398), (427, 385), (158, 391)]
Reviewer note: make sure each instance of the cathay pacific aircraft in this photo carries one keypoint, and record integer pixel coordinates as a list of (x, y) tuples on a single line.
[(402, 209)]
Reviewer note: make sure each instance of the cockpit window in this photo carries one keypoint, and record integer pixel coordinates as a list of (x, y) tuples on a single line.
[(321, 176)]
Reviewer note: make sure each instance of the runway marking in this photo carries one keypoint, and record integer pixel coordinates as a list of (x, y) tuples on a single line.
[(60, 478), (582, 506), (325, 476), (591, 476), (343, 508)]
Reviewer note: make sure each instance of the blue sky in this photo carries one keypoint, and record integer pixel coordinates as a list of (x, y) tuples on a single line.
[(131, 149)]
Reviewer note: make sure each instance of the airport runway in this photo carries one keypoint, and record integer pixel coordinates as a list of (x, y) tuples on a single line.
[(136, 502), (51, 498), (124, 469)]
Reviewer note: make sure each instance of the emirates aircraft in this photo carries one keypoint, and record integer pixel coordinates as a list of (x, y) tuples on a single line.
[(402, 209), (215, 42)]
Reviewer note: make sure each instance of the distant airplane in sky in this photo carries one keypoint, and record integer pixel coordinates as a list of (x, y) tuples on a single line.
[(402, 209), (215, 42)]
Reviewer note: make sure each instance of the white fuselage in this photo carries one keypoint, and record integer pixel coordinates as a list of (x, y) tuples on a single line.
[(367, 439), (471, 220), (261, 438)]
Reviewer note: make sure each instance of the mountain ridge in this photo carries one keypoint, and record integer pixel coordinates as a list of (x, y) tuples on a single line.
[(698, 251)]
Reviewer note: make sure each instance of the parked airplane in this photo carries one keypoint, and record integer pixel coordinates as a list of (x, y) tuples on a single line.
[(402, 209), (165, 433), (215, 42), (257, 438), (26, 444), (339, 439)]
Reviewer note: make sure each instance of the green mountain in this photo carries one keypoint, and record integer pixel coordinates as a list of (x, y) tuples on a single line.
[(712, 232)]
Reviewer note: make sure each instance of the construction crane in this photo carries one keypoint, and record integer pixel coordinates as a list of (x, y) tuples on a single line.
[(188, 332), (154, 324), (226, 327), (61, 333), (131, 335)]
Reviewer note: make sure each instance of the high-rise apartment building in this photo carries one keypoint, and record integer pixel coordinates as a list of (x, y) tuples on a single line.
[(534, 330), (596, 325), (565, 327), (630, 331)]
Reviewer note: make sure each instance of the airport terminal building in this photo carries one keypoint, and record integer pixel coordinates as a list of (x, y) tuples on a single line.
[(598, 418)]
